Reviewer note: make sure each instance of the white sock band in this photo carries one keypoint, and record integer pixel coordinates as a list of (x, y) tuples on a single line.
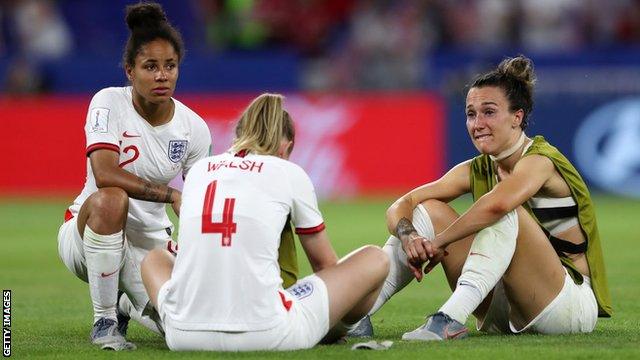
[(488, 259), (103, 256), (399, 273), (464, 300)]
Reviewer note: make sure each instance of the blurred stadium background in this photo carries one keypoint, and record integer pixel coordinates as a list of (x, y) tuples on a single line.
[(376, 88)]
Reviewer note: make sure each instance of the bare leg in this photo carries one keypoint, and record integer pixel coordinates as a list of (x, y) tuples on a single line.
[(400, 274), (101, 221), (105, 211), (354, 283), (156, 270), (438, 217), (529, 292), (535, 276), (442, 215)]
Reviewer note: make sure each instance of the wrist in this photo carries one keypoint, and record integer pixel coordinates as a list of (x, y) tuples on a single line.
[(406, 239), (439, 241), (407, 235), (404, 228)]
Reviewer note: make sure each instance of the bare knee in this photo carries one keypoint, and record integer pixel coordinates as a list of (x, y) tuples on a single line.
[(378, 259), (107, 209), (440, 213), (155, 257), (110, 201)]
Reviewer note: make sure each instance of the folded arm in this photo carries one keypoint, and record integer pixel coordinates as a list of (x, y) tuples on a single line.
[(453, 184), (526, 179), (108, 173)]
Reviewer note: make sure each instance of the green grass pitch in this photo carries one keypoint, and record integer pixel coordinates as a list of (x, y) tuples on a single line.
[(51, 311)]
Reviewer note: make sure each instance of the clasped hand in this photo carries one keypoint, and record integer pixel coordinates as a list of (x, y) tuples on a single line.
[(421, 250)]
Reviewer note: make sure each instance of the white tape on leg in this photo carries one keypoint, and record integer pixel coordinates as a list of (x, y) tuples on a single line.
[(490, 254), (489, 257), (399, 273)]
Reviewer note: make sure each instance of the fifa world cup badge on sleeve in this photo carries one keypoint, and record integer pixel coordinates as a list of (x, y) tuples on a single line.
[(177, 149), (99, 120)]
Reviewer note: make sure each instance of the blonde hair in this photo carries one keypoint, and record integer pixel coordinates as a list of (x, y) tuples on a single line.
[(263, 125)]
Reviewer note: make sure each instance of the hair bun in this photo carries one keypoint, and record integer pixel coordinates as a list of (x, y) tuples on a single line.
[(519, 67), (145, 15)]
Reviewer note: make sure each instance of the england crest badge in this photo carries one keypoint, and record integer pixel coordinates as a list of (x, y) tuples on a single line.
[(301, 289), (177, 149)]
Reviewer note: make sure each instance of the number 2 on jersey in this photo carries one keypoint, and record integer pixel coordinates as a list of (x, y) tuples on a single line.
[(226, 227), (136, 154)]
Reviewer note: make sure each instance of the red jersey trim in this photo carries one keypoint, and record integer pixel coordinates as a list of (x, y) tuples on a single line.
[(99, 146), (312, 230), (68, 215)]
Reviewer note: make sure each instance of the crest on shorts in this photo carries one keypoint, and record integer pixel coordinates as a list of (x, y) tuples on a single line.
[(301, 289), (177, 149)]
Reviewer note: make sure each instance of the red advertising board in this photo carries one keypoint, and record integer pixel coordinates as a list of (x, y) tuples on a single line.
[(350, 144)]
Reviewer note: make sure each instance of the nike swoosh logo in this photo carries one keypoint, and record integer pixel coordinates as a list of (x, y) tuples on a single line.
[(125, 134), (109, 274), (475, 253), (454, 335)]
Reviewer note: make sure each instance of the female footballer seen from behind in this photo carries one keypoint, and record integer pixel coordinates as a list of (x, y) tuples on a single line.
[(138, 138), (224, 292), (526, 256)]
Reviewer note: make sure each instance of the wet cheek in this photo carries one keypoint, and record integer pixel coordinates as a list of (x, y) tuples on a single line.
[(470, 128)]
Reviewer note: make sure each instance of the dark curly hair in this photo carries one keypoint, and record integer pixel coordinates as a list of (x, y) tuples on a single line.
[(148, 22)]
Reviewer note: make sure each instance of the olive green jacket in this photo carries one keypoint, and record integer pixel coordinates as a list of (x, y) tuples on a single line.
[(483, 178)]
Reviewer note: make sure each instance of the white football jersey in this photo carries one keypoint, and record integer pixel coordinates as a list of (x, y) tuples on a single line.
[(156, 154), (226, 275)]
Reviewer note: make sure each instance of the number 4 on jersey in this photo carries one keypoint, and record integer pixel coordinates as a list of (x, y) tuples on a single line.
[(226, 227)]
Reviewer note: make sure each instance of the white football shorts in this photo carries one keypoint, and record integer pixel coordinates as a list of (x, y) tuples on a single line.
[(71, 252), (306, 323), (574, 310), (70, 248)]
